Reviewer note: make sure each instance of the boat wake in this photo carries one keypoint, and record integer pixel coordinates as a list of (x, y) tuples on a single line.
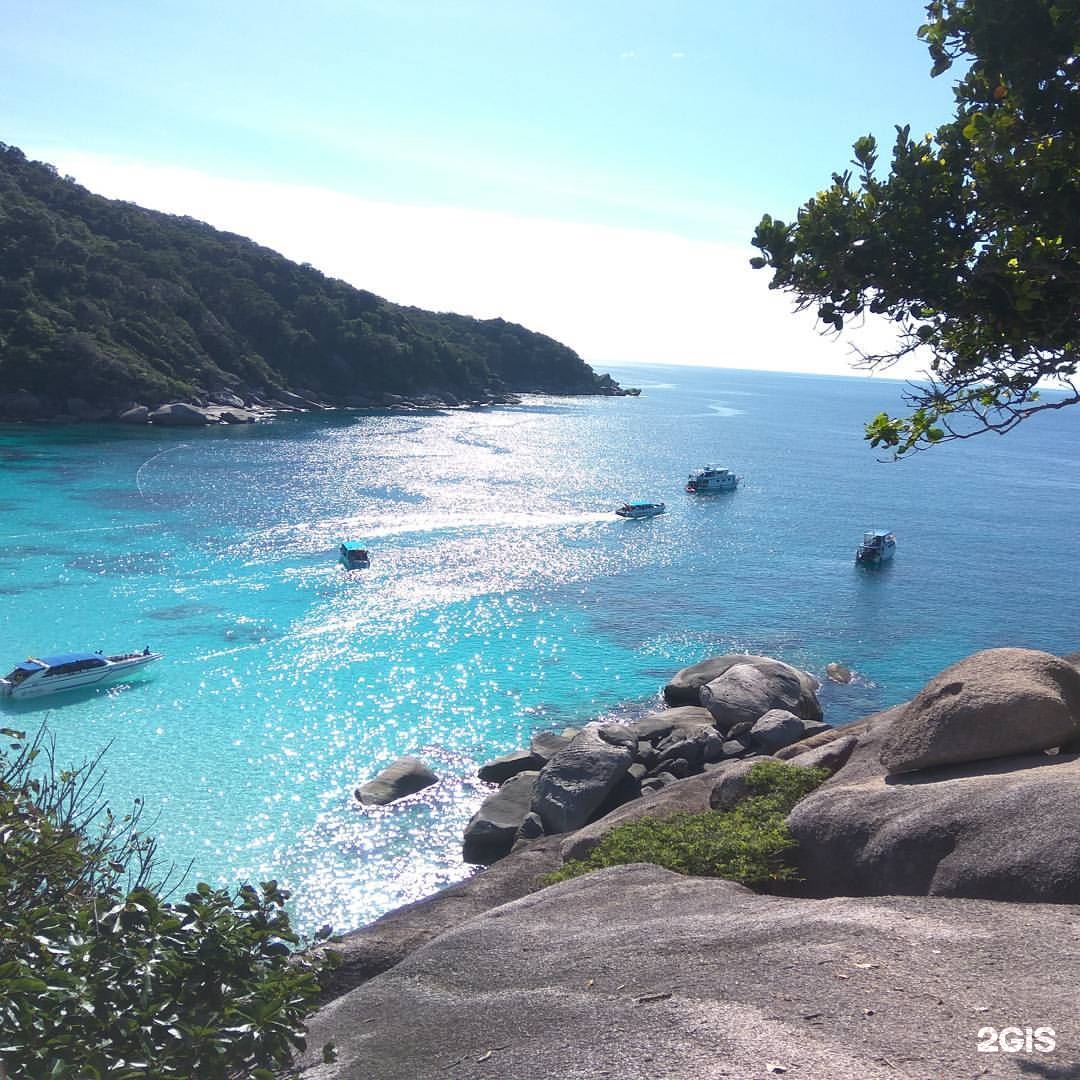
[(149, 461)]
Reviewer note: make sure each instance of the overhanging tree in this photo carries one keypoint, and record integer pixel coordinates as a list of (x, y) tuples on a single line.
[(970, 244)]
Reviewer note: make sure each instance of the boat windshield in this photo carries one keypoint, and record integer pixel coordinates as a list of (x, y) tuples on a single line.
[(20, 673)]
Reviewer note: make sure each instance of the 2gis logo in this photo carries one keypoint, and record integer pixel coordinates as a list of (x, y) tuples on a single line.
[(1011, 1040)]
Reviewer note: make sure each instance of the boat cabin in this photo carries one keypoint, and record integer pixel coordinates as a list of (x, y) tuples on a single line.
[(53, 666), (353, 556), (877, 545)]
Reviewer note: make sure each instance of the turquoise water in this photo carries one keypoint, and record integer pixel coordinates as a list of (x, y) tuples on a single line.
[(503, 597)]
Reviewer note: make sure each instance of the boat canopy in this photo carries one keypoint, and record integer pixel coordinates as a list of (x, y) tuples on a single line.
[(353, 545), (876, 535), (32, 663)]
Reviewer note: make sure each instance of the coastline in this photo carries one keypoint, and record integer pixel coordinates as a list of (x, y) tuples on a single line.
[(253, 406), (472, 966)]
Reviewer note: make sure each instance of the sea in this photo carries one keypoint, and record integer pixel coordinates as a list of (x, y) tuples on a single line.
[(504, 597)]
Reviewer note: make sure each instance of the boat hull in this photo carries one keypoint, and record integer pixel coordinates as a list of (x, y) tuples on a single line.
[(873, 558), (640, 515)]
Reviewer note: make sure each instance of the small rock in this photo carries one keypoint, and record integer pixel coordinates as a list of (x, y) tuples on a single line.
[(838, 673), (406, 776)]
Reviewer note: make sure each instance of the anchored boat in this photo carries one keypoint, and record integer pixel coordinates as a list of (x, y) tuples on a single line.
[(711, 478), (877, 546), (36, 676)]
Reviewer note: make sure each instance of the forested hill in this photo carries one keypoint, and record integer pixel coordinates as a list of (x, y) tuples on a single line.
[(110, 303)]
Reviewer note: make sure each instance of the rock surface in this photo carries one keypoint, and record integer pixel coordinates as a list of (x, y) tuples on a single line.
[(502, 768), (406, 776), (1007, 829), (687, 720), (575, 782), (745, 692), (992, 704), (491, 831), (685, 686), (374, 948), (638, 973), (137, 414), (775, 730), (180, 414)]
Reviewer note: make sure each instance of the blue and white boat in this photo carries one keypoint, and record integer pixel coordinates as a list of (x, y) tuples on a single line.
[(638, 510), (36, 676), (878, 546), (711, 478), (353, 556)]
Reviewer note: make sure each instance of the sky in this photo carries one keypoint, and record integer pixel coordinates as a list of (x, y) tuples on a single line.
[(593, 169)]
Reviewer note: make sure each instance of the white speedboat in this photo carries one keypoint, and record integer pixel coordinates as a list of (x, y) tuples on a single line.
[(71, 671), (636, 510), (877, 546), (711, 478)]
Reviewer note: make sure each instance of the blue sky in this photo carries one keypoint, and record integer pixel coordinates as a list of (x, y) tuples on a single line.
[(592, 169)]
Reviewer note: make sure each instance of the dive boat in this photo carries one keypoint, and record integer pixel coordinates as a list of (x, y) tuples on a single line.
[(636, 510), (353, 556), (711, 478), (877, 546), (71, 671)]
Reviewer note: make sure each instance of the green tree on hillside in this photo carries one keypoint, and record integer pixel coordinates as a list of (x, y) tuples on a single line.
[(970, 244)]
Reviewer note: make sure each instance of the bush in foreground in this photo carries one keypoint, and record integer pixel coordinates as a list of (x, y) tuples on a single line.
[(750, 844), (102, 977)]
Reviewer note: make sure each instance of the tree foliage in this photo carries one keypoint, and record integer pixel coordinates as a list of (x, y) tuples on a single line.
[(102, 977), (970, 244), (107, 301)]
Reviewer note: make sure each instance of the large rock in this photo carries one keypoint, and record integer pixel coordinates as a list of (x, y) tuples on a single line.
[(687, 720), (641, 974), (137, 414), (685, 686), (491, 831), (180, 414), (1008, 829), (366, 952), (546, 744), (499, 770), (745, 692), (992, 704), (775, 730), (226, 397), (576, 781), (406, 776)]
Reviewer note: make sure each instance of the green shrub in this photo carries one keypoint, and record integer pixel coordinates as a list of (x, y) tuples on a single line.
[(102, 977), (750, 843)]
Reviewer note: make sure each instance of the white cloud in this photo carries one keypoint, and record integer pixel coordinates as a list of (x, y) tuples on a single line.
[(631, 55), (615, 295)]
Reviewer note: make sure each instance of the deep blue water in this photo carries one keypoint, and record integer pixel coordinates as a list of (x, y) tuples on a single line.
[(504, 597)]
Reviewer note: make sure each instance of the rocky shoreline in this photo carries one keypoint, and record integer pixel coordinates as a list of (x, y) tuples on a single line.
[(251, 406), (933, 865)]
